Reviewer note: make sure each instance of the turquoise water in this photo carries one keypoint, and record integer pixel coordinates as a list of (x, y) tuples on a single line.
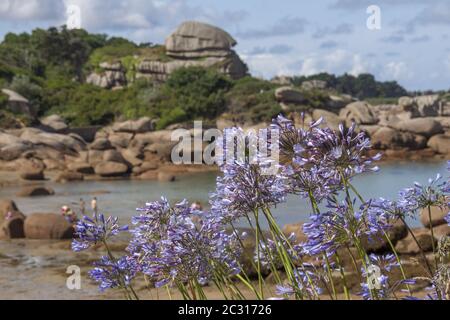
[(120, 198)]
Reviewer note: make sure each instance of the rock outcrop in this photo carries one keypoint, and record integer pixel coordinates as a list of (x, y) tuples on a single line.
[(112, 75), (18, 103), (423, 126), (289, 95), (35, 191), (437, 216), (359, 112), (11, 220), (440, 143), (54, 123), (110, 169), (192, 44), (423, 106), (47, 226), (314, 84), (409, 246)]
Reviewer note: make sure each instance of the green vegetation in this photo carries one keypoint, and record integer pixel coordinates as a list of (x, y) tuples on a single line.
[(192, 93), (48, 67), (363, 86), (377, 101), (252, 100), (3, 100), (445, 96), (8, 119)]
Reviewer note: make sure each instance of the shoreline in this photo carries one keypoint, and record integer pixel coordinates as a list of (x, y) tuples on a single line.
[(12, 178)]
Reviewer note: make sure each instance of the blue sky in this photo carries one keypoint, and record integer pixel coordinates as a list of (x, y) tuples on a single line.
[(279, 37)]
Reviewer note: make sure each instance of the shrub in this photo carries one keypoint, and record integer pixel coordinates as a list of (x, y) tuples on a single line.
[(192, 93), (252, 100), (3, 100), (25, 87)]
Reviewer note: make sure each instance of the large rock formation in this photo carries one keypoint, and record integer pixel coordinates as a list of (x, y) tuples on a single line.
[(359, 112), (47, 226), (191, 44), (54, 123), (11, 220), (424, 106), (18, 104), (195, 40), (196, 44), (112, 76)]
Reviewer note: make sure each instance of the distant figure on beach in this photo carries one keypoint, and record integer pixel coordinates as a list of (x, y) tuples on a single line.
[(94, 205), (82, 207), (196, 206), (69, 214)]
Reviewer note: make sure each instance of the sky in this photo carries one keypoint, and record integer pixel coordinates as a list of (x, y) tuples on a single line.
[(282, 37)]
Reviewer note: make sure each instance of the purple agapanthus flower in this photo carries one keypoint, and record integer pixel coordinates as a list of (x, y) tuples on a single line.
[(330, 230), (292, 140), (343, 152), (422, 196), (243, 188), (110, 273), (90, 231), (171, 248), (381, 214)]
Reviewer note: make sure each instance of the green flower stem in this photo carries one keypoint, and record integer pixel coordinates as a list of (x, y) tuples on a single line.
[(121, 280), (422, 252), (432, 237), (344, 279), (280, 235), (316, 210), (260, 282)]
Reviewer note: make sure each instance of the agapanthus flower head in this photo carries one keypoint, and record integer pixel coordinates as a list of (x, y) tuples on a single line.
[(292, 140), (343, 152), (422, 196), (381, 214), (111, 273), (98, 229), (316, 182), (171, 248), (244, 188), (330, 230)]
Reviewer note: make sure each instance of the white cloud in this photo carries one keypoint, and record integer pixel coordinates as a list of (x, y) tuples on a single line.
[(447, 62), (339, 61), (141, 20), (267, 65), (397, 71), (283, 27), (14, 10)]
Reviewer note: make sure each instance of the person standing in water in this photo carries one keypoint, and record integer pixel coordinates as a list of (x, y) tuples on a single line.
[(82, 206), (94, 205)]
